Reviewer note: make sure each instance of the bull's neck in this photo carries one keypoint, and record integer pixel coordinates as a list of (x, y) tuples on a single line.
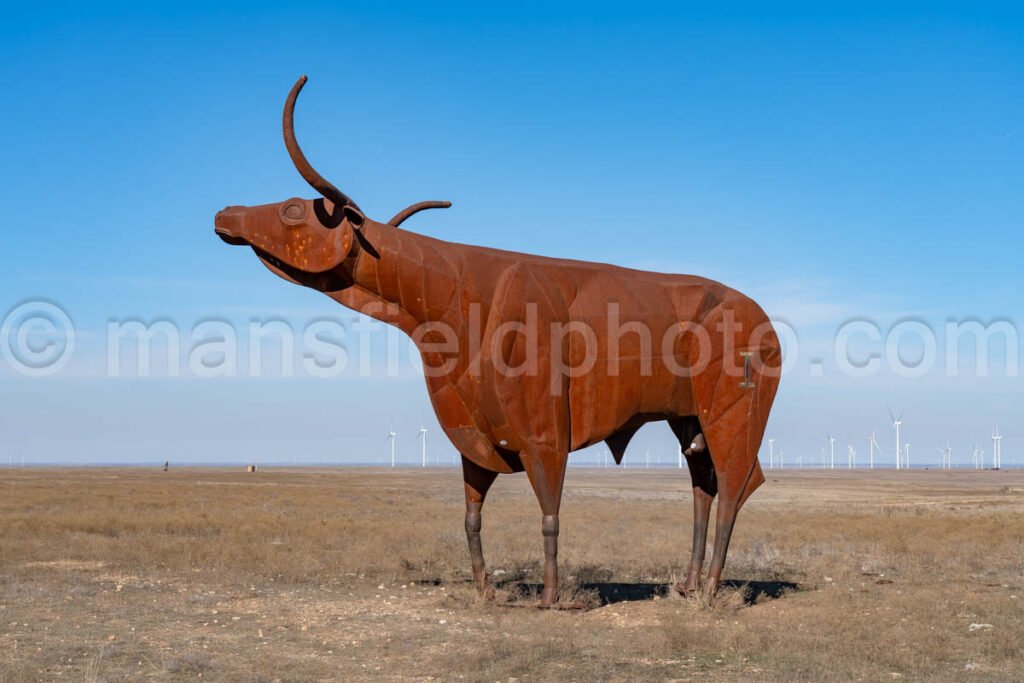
[(409, 282)]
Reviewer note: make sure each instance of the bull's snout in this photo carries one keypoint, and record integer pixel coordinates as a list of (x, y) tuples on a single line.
[(228, 217), (228, 224)]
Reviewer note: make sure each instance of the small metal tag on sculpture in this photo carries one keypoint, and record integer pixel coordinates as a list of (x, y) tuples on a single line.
[(528, 358)]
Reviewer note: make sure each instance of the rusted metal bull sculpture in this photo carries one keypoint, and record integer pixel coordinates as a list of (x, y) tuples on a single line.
[(528, 358)]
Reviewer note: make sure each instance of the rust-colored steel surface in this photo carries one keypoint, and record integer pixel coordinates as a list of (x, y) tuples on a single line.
[(529, 358)]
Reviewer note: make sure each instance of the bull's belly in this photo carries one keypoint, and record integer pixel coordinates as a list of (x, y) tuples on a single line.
[(601, 403)]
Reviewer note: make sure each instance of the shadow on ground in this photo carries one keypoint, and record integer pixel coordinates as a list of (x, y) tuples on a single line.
[(607, 593)]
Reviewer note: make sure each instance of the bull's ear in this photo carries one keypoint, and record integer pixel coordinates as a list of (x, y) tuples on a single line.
[(364, 242), (355, 217), (356, 220)]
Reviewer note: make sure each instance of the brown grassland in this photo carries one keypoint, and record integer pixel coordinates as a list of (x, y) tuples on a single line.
[(345, 574)]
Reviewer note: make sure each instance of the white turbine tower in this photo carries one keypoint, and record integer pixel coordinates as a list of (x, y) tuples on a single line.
[(896, 423), (423, 436), (997, 449), (771, 453), (906, 463), (874, 445), (851, 457), (999, 442), (391, 437), (680, 454), (832, 451)]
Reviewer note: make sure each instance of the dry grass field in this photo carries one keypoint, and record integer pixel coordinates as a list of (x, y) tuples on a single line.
[(350, 574)]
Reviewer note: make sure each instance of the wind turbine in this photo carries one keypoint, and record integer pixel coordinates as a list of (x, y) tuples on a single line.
[(906, 463), (874, 445), (680, 454), (771, 453), (1000, 442), (423, 435), (851, 457), (832, 451), (896, 422), (391, 437), (997, 448), (947, 459)]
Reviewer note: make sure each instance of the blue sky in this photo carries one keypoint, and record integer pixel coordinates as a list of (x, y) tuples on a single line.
[(833, 163)]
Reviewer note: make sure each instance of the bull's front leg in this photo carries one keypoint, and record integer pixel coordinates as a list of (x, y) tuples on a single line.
[(477, 482), (546, 470)]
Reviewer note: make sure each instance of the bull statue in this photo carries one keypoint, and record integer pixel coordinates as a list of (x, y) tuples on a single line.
[(528, 358)]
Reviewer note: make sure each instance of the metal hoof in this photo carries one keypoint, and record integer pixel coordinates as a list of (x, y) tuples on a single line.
[(486, 592), (687, 588)]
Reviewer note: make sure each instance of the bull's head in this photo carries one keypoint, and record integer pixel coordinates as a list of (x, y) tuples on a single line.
[(306, 241)]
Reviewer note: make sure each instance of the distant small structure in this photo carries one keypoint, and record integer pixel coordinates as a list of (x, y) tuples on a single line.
[(250, 468), (167, 465)]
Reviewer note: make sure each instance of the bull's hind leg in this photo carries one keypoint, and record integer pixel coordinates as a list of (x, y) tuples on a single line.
[(705, 486), (546, 470), (477, 482), (734, 430)]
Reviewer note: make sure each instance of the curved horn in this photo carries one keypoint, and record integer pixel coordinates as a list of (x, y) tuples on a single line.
[(319, 183), (416, 208)]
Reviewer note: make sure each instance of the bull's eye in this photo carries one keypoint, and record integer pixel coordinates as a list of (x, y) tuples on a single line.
[(293, 211)]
